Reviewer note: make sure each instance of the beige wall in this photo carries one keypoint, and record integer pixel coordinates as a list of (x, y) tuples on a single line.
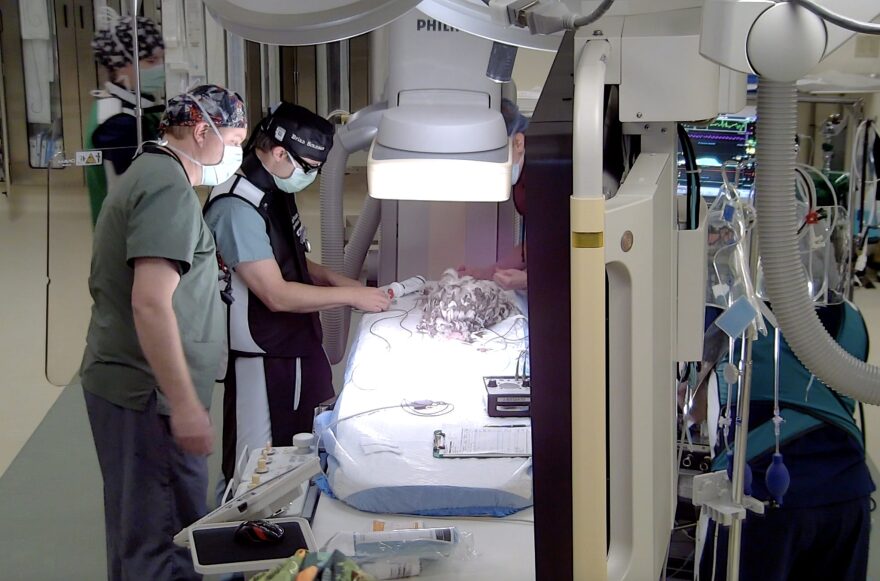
[(529, 74), (531, 68), (860, 55), (811, 116)]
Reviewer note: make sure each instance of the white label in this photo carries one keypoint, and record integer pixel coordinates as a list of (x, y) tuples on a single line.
[(394, 569), (89, 158), (401, 535), (488, 441), (280, 133)]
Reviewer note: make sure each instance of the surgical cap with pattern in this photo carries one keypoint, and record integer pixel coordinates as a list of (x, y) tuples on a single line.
[(225, 108), (113, 43)]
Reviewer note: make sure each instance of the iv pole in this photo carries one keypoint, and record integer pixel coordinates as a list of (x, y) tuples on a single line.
[(734, 541), (739, 456), (135, 51)]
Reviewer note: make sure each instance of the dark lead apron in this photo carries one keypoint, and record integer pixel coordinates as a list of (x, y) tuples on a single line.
[(278, 371)]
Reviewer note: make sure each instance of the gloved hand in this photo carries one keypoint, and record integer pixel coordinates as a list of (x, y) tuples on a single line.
[(306, 566), (369, 299), (478, 272), (511, 279)]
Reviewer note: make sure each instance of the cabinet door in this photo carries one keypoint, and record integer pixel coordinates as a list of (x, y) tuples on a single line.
[(69, 237), (87, 69), (4, 135), (306, 77), (32, 93), (359, 71), (68, 119)]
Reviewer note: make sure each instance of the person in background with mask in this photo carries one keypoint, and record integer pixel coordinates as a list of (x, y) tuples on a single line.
[(278, 371), (113, 122), (510, 270), (157, 335)]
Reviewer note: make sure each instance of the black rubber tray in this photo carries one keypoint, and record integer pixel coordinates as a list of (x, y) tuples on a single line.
[(218, 547)]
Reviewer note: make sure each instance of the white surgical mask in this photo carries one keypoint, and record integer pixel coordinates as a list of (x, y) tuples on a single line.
[(216, 174), (296, 181), (153, 81), (514, 173)]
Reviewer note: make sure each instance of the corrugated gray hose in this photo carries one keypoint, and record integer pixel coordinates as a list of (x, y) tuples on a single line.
[(784, 277), (352, 137)]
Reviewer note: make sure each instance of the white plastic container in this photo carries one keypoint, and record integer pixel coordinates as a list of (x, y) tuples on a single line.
[(420, 543), (395, 290)]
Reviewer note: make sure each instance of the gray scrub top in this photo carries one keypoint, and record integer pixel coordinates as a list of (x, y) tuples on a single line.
[(239, 230)]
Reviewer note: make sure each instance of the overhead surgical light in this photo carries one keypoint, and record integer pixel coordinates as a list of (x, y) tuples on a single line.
[(457, 153), (442, 137), (304, 22)]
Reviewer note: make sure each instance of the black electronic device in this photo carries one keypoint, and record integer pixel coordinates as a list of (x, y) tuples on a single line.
[(216, 550), (508, 396)]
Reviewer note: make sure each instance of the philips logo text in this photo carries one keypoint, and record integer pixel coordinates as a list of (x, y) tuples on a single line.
[(433, 25)]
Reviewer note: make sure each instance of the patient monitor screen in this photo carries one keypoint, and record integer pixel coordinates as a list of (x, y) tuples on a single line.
[(727, 139)]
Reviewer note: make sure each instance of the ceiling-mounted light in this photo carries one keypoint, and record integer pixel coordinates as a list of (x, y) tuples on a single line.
[(454, 153), (304, 22)]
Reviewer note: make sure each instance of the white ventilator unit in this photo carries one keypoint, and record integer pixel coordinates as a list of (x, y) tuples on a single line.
[(674, 60)]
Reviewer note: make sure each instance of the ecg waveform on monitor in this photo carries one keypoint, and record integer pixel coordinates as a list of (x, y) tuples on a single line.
[(709, 138), (724, 141), (737, 125)]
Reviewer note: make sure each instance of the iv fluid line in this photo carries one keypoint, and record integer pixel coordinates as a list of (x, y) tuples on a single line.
[(777, 419)]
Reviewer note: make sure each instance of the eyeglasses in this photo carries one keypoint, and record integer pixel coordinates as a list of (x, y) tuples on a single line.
[(306, 166)]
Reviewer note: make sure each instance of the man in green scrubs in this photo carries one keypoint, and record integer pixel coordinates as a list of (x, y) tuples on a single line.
[(157, 334)]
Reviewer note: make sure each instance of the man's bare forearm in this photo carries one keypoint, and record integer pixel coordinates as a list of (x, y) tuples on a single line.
[(159, 336), (264, 279), (295, 297), (324, 276), (152, 304)]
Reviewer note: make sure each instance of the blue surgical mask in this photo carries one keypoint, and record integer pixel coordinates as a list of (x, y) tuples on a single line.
[(295, 182), (514, 173), (153, 81)]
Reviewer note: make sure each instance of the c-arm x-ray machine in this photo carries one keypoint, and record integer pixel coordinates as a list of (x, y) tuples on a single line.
[(672, 60)]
